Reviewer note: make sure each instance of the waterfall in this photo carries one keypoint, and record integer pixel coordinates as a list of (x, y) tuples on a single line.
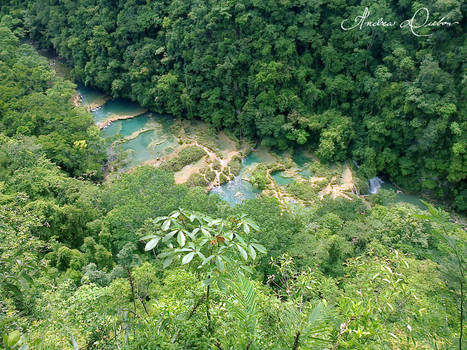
[(375, 184)]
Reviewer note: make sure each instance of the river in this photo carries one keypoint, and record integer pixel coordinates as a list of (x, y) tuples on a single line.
[(146, 137)]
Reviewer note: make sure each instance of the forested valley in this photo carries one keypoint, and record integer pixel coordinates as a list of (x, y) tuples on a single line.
[(95, 259), (284, 72)]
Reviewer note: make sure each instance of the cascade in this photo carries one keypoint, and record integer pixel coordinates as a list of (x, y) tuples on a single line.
[(375, 184)]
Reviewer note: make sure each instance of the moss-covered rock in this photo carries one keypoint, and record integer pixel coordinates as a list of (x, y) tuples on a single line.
[(259, 177), (187, 155), (223, 179), (302, 191), (235, 166), (216, 165), (197, 180)]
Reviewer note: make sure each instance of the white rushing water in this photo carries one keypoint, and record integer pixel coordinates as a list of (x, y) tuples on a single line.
[(375, 184)]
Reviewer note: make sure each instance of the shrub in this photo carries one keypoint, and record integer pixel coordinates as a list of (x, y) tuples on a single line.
[(196, 180), (235, 166), (302, 191), (259, 177), (187, 155)]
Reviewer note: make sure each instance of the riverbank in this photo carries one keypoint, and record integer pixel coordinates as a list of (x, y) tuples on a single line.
[(228, 164), (113, 118)]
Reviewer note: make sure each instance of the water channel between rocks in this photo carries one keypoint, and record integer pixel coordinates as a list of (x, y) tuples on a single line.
[(147, 137)]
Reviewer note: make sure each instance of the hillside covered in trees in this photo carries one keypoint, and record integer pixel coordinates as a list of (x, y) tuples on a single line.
[(286, 73), (136, 261)]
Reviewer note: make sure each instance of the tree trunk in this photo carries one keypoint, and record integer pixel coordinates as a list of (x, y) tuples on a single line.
[(208, 311), (141, 299), (195, 307), (461, 321), (132, 285), (296, 341)]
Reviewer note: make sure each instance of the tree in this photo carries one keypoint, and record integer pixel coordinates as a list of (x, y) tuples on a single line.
[(215, 245), (453, 264), (301, 321), (267, 70)]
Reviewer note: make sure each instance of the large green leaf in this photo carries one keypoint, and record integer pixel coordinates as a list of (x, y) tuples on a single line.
[(167, 262), (13, 338), (220, 263), (169, 235), (187, 258), (242, 252), (252, 252), (259, 248), (181, 239), (166, 225), (152, 244)]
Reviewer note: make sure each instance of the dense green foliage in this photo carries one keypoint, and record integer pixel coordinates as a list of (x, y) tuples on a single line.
[(187, 155), (35, 102), (259, 177), (88, 276), (285, 72), (119, 265)]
